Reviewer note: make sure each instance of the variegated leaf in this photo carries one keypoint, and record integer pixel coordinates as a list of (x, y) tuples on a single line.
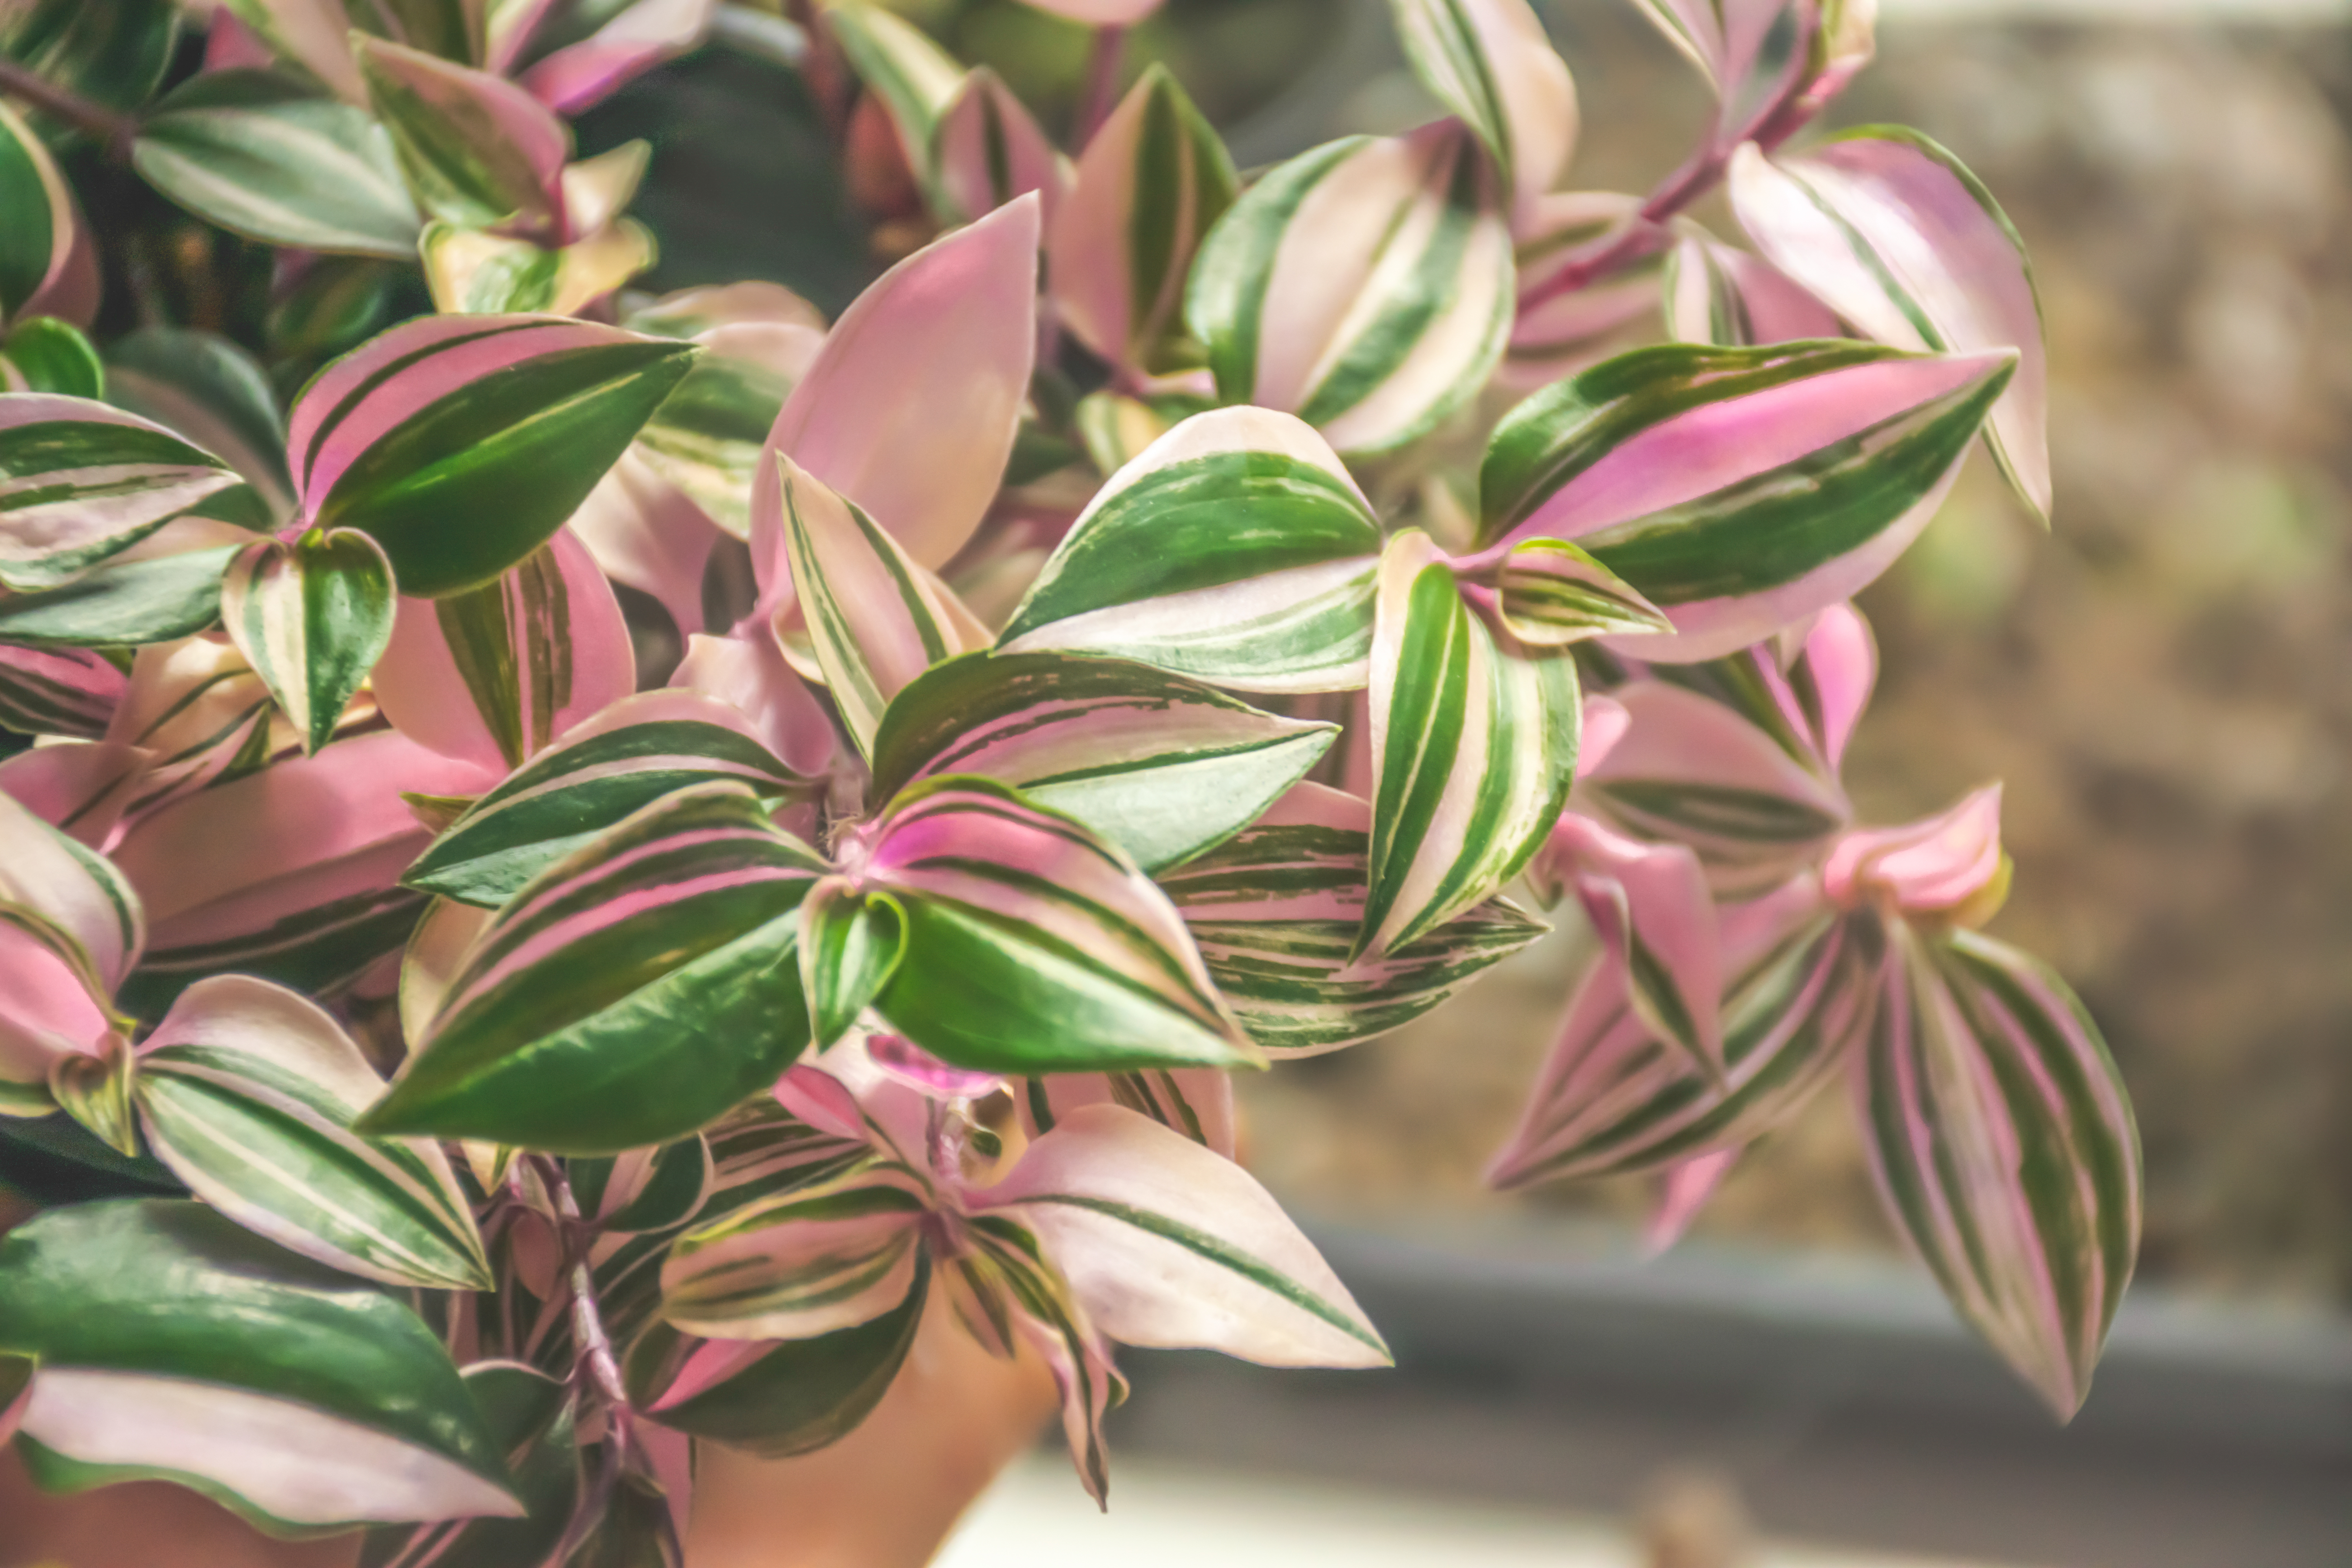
[(1739, 489), (875, 619), (80, 893), (2004, 1145), (80, 482), (477, 272), (805, 1263), (262, 157), (934, 357), (461, 443), (47, 265), (637, 37), (628, 756), (122, 604), (990, 149), (248, 1091), (1156, 764), (1551, 592), (311, 616), (1897, 236), (198, 710), (1033, 946), (1489, 62), (1714, 294), (58, 691), (851, 945), (299, 1396), (914, 80), (42, 354), (1009, 1268), (1167, 1244), (1277, 911), (1149, 183), (1235, 549), (705, 438), (477, 150), (1195, 1102), (216, 395), (1473, 739), (1365, 286), (1651, 907), (530, 1417), (630, 994), (492, 675), (1616, 1096)]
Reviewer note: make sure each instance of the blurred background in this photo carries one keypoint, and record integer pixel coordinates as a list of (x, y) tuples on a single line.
[(2159, 681)]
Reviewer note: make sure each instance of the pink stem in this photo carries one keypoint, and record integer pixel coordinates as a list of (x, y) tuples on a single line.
[(1102, 83)]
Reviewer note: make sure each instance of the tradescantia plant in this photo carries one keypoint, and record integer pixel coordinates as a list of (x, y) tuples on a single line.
[(474, 1060)]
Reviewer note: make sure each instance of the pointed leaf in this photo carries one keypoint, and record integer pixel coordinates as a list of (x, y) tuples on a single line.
[(631, 754), (58, 691), (1739, 489), (215, 394), (1897, 236), (1149, 184), (1235, 549), (80, 482), (876, 619), (707, 437), (263, 158), (990, 149), (630, 994), (1049, 1321), (247, 1092), (851, 945), (46, 266), (72, 888), (1552, 593), (173, 1345), (1650, 905), (122, 604), (1277, 911), (492, 675), (639, 37), (1473, 747), (313, 34), (934, 357), (312, 617), (913, 78), (1031, 946), (1489, 62), (43, 353), (475, 271), (1714, 294), (462, 442), (2004, 1145), (826, 1257), (1365, 286), (478, 152), (530, 1416), (1156, 764)]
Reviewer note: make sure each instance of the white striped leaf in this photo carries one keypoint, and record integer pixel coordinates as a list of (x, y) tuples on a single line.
[(1489, 62), (530, 1417), (2004, 1145), (219, 397), (825, 1258), (875, 619), (198, 710), (1714, 294), (1033, 946), (247, 1092), (1758, 55), (475, 271), (494, 674), (1277, 911), (263, 158), (80, 482), (463, 442), (990, 149), (1153, 180), (705, 438), (1616, 1095), (174, 1345), (1651, 908), (1235, 549), (1156, 764), (1167, 1244), (1897, 237), (1550, 593), (1739, 489), (125, 604), (851, 943), (1473, 739), (628, 756), (1197, 1102), (1007, 1270), (629, 994), (1365, 286), (66, 884), (914, 80), (312, 616), (58, 691), (477, 150), (48, 266)]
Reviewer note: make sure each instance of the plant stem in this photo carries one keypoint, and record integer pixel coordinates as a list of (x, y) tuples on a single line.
[(593, 1351), (1101, 85), (110, 129)]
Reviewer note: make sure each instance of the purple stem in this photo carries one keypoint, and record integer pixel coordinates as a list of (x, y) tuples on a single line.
[(110, 129), (1102, 83)]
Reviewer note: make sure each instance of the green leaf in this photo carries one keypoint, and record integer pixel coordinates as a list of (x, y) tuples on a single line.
[(629, 994), (123, 605), (114, 54), (634, 753), (530, 1416), (211, 391), (248, 1093), (705, 438), (80, 482), (1551, 592), (1153, 762), (267, 159), (1235, 549), (173, 1345), (44, 354), (851, 943), (312, 617), (477, 150)]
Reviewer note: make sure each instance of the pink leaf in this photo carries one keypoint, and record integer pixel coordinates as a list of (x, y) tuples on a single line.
[(747, 670), (65, 886), (478, 151), (78, 787), (1840, 664), (51, 1006), (1197, 1102), (911, 1064), (645, 533), (491, 676), (1687, 1185), (314, 34), (1100, 13), (1651, 905), (1605, 723), (580, 75), (911, 408), (58, 690), (1716, 294), (1927, 867), (992, 150), (195, 704)]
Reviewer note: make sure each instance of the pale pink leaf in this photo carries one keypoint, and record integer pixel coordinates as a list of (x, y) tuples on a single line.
[(990, 149), (1683, 1191), (747, 670), (1927, 867), (580, 74), (80, 787)]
